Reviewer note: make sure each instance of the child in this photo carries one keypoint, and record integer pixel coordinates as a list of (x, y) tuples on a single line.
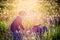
[(17, 27)]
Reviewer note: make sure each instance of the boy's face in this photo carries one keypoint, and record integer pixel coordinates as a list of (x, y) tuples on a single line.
[(22, 14)]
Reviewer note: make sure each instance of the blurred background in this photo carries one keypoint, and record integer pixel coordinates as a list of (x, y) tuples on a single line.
[(44, 12)]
